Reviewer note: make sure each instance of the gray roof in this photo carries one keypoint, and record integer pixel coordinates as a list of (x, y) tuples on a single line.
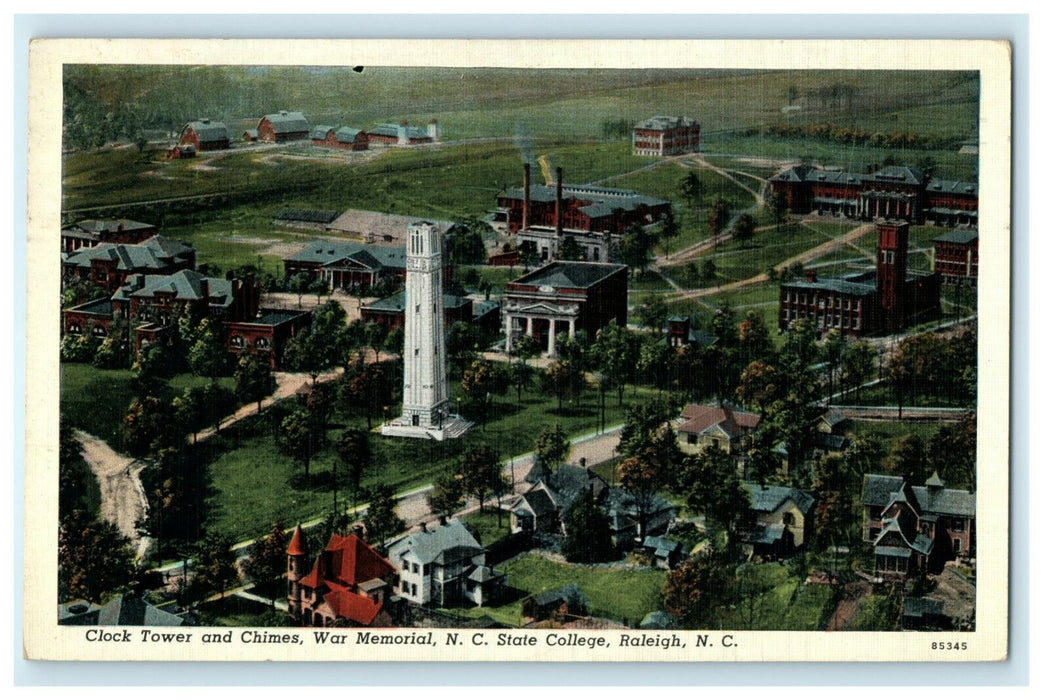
[(396, 303), (603, 200), (920, 607), (856, 285), (568, 594), (767, 499), (663, 547), (826, 441), (320, 131), (441, 544), (659, 620), (373, 256), (185, 284), (881, 489), (156, 253), (111, 225), (539, 501), (838, 177), (313, 216), (413, 132), (484, 574), (208, 130), (664, 123), (573, 275), (569, 481), (132, 610), (900, 173), (960, 236), (798, 173), (101, 307), (345, 134), (287, 122), (952, 186), (766, 534)]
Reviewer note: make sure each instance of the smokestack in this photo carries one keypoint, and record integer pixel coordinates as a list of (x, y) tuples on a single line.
[(557, 204), (528, 197)]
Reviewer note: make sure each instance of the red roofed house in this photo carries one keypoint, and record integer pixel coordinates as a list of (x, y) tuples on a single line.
[(722, 427), (346, 587)]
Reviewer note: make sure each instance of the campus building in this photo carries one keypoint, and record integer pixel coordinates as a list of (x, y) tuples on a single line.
[(666, 136), (887, 298), (955, 257), (894, 192), (564, 297)]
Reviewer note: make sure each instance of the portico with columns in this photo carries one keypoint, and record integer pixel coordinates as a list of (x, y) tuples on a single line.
[(541, 321)]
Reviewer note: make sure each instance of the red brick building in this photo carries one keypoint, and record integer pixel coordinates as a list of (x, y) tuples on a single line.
[(565, 297), (390, 311), (886, 298), (91, 232), (894, 192), (666, 136), (110, 264), (955, 257), (206, 135), (346, 264), (180, 151), (283, 126), (266, 334), (346, 587), (343, 137), (915, 529)]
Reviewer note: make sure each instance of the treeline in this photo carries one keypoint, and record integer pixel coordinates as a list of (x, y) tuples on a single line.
[(834, 133)]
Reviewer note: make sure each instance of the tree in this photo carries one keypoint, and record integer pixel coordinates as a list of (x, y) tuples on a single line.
[(744, 228), (355, 454), (267, 562), (636, 248), (777, 207), (299, 284), (718, 217), (461, 345), (754, 340), (253, 380), (520, 375), (215, 568), (552, 446), (692, 189), (564, 379), (570, 250), (653, 313), (713, 488), (907, 458), (695, 589), (642, 476), (149, 425), (93, 558), (381, 519), (365, 387), (375, 336), (669, 231), (613, 358), (641, 422), (80, 347), (588, 536), (858, 365), (952, 453), (296, 438), (207, 355), (481, 469), (447, 495), (834, 485), (324, 345), (483, 380), (319, 287)]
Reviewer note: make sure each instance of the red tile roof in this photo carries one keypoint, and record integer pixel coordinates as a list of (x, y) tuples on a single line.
[(350, 561), (352, 606), (700, 418), (295, 547)]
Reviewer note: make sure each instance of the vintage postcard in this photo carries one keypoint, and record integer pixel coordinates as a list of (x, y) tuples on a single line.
[(518, 350)]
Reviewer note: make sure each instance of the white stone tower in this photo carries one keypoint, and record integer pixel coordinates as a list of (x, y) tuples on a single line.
[(425, 410)]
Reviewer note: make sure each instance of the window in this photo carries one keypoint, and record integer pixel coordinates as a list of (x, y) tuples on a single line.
[(415, 568), (404, 564), (789, 519), (262, 343), (75, 328), (414, 591), (404, 586), (426, 569), (417, 308), (237, 342), (691, 438), (956, 546), (98, 331)]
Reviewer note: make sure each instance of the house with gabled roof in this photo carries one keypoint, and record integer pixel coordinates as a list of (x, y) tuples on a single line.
[(110, 264), (347, 585), (91, 232), (915, 529), (205, 135), (348, 264), (781, 519), (123, 610), (444, 565), (727, 429), (344, 137), (283, 126)]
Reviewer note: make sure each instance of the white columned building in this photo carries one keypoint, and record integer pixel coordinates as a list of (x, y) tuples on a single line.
[(425, 410)]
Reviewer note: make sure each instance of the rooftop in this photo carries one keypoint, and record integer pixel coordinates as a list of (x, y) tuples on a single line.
[(572, 275)]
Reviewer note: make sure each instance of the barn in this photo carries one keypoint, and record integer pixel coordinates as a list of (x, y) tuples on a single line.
[(205, 135), (283, 126)]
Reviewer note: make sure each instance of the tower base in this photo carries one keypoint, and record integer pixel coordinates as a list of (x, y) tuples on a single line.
[(451, 428)]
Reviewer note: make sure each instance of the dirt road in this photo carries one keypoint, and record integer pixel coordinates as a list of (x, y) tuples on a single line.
[(123, 499), (852, 596)]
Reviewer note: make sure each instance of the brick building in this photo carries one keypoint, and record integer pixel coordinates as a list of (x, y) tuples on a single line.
[(955, 257), (346, 264), (343, 137), (283, 126), (666, 136), (564, 297), (390, 311), (266, 334), (91, 232), (887, 298), (347, 585), (894, 192), (915, 529), (110, 264), (205, 135)]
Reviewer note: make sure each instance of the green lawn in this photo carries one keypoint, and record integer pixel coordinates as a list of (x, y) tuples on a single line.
[(96, 400), (877, 613), (487, 526), (254, 484), (779, 600), (888, 430), (886, 395), (616, 594)]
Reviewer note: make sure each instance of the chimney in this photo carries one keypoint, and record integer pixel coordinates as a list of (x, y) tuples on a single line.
[(442, 519), (204, 288), (422, 527), (528, 196), (120, 226), (811, 276), (284, 112), (557, 204), (359, 530), (402, 133), (205, 120)]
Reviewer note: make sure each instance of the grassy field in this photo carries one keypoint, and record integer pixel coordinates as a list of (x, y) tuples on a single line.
[(889, 430), (96, 400), (487, 526), (779, 600), (254, 484), (616, 594), (877, 613)]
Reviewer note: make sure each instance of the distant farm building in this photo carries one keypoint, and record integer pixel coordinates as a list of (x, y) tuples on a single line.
[(305, 218), (250, 135), (344, 137), (666, 136), (894, 192), (182, 150), (206, 135), (403, 134), (283, 126)]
